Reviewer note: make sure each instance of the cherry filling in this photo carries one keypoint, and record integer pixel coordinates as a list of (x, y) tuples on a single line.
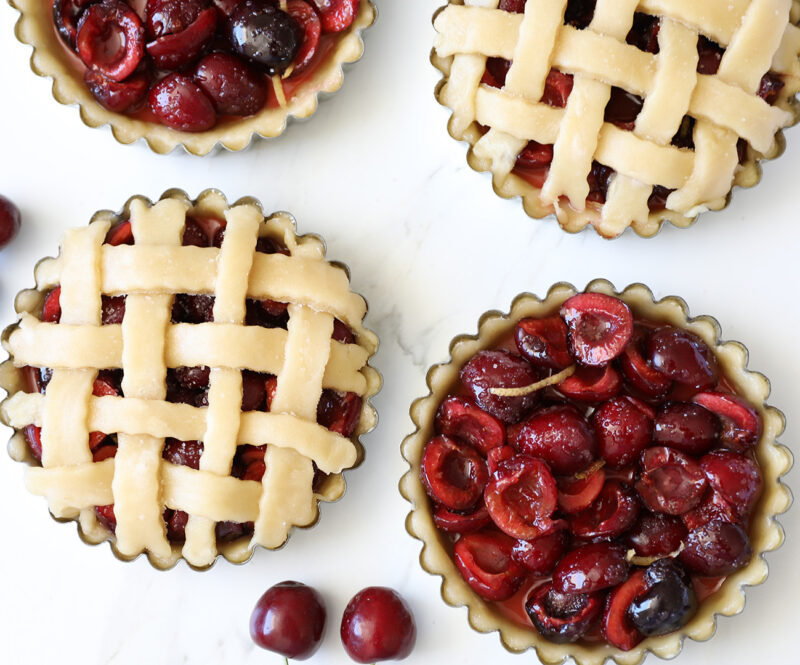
[(616, 490), (623, 107), (337, 411), (195, 61)]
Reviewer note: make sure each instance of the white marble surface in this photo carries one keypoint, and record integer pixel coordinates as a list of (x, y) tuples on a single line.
[(431, 248)]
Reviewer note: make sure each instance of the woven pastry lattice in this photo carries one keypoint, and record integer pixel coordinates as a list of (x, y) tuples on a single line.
[(758, 37), (150, 272)]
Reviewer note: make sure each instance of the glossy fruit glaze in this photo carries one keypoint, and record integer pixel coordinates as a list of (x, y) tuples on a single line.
[(606, 510), (339, 412), (192, 64), (533, 162)]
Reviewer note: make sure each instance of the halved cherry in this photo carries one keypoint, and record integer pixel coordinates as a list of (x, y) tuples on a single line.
[(497, 455), (453, 475), (714, 507), (500, 369), (591, 568), (104, 452), (179, 103), (600, 326), (521, 497), (121, 234), (513, 6), (612, 513), (623, 427), (540, 555), (539, 156), (225, 7), (33, 437), (453, 522), (484, 561), (736, 477), (458, 417), (105, 515), (591, 384), (117, 96), (576, 493), (560, 617), (683, 357), (255, 470), (66, 14), (543, 342), (174, 50), (647, 380), (166, 17), (557, 88), (203, 231), (110, 39), (687, 427), (656, 535), (616, 626), (559, 435), (741, 424), (51, 311), (176, 521), (339, 412), (337, 15), (310, 23), (183, 453), (671, 482), (113, 310), (716, 548)]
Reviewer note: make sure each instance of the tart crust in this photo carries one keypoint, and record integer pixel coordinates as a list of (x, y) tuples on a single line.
[(463, 126), (50, 60), (766, 533), (242, 498)]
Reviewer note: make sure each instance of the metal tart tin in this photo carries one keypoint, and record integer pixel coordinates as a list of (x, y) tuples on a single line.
[(746, 176), (209, 201), (50, 59), (766, 533)]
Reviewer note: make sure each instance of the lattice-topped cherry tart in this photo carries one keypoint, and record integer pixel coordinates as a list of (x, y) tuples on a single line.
[(188, 379), (208, 70), (597, 469)]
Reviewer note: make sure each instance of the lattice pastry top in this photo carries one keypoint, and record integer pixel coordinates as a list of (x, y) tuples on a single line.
[(191, 378), (619, 112)]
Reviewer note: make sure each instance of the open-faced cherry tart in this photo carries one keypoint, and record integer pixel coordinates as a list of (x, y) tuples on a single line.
[(589, 471), (194, 72), (188, 379), (617, 114)]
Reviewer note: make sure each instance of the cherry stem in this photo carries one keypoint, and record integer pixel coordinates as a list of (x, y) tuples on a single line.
[(544, 383), (595, 466)]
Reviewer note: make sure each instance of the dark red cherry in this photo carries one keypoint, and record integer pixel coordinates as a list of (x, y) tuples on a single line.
[(644, 33), (33, 437), (9, 221), (557, 88), (612, 513), (540, 156), (591, 568), (713, 507), (497, 455), (120, 234), (616, 626), (263, 34), (591, 384), (225, 7), (559, 435), (716, 548), (576, 493), (671, 482), (622, 108), (453, 522), (231, 85), (669, 601), (377, 624), (543, 342), (562, 618), (513, 6), (500, 369), (168, 17), (227, 532), (309, 22), (289, 619), (741, 424), (176, 521), (710, 55), (460, 418), (176, 49), (600, 327), (339, 412), (117, 96), (336, 15), (51, 310), (540, 555), (254, 391), (686, 427), (521, 497), (637, 371), (683, 357), (454, 475), (110, 39), (180, 104), (736, 477), (484, 560), (623, 427), (769, 89), (66, 15), (656, 535), (183, 453), (104, 452), (106, 517)]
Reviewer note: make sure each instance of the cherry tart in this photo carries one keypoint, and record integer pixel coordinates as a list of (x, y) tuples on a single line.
[(188, 379), (588, 473), (195, 73), (618, 114)]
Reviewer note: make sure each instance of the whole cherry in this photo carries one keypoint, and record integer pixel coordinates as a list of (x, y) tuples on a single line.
[(9, 221), (289, 619), (377, 624)]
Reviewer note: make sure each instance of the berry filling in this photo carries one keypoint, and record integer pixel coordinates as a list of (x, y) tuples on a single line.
[(337, 411), (623, 500)]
